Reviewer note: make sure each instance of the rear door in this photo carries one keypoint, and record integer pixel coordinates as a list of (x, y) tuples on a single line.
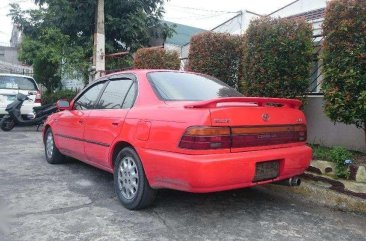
[(104, 123), (70, 124)]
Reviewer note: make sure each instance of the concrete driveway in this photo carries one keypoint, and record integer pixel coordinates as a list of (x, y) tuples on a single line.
[(74, 201)]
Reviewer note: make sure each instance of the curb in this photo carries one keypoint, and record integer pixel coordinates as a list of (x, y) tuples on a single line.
[(320, 193), (321, 167)]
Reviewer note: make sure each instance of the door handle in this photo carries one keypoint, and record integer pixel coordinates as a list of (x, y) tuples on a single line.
[(115, 123), (81, 121)]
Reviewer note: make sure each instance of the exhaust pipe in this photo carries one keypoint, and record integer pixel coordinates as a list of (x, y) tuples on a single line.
[(292, 181)]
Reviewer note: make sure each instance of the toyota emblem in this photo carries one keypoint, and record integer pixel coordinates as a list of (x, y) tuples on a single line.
[(265, 116)]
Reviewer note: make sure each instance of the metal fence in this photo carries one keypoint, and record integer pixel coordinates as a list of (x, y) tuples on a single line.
[(316, 73), (10, 68)]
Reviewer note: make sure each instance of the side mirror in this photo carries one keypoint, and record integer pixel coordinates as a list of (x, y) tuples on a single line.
[(63, 105)]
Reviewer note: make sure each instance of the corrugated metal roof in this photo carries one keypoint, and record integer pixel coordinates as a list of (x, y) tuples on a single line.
[(310, 15), (183, 34)]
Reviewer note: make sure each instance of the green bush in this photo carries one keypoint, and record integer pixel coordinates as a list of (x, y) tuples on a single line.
[(48, 98), (344, 57), (216, 54), (156, 58), (339, 155), (277, 55), (321, 152)]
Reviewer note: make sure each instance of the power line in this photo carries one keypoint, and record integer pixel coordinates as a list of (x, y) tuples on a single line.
[(201, 9), (199, 17)]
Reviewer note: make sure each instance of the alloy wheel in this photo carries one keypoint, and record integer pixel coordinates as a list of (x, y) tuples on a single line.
[(49, 145), (128, 177)]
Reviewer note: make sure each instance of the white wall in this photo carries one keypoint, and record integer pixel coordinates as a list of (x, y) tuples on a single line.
[(236, 25), (321, 130), (172, 47)]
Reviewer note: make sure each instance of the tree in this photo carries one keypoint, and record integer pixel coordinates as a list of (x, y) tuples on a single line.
[(344, 57), (129, 25), (277, 55), (51, 56), (45, 54)]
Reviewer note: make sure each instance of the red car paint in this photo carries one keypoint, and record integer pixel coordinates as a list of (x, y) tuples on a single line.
[(156, 129)]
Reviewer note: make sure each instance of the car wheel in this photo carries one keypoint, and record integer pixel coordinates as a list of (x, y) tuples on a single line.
[(130, 183), (53, 155), (7, 124)]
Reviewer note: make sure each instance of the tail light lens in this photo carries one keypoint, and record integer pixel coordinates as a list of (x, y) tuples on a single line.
[(204, 138), (270, 135), (38, 98)]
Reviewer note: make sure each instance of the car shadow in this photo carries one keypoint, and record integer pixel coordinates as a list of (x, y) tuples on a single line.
[(257, 198)]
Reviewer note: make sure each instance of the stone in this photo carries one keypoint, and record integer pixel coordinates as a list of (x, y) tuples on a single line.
[(325, 167), (361, 174), (328, 169), (355, 187)]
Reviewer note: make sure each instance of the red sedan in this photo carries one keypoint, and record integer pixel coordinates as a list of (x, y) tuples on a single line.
[(158, 129)]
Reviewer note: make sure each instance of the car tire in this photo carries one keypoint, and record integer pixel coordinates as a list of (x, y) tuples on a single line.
[(53, 155), (7, 124), (130, 183)]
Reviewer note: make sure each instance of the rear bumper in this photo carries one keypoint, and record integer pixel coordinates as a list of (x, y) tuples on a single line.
[(210, 173)]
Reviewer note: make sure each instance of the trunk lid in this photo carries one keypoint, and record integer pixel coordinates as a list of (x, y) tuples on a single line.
[(258, 123)]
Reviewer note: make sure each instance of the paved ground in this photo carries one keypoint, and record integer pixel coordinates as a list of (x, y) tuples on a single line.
[(74, 201)]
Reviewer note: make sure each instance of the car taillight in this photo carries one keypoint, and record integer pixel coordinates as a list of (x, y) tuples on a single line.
[(38, 98), (270, 135), (204, 138)]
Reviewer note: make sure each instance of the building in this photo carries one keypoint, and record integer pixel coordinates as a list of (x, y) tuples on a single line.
[(9, 55), (182, 36), (9, 62), (235, 25)]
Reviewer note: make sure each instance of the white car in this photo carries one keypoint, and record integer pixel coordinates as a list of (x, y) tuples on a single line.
[(11, 85)]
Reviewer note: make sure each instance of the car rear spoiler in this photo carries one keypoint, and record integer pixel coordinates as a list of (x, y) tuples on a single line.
[(258, 101)]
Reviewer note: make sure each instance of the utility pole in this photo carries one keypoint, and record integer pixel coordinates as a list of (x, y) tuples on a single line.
[(98, 68)]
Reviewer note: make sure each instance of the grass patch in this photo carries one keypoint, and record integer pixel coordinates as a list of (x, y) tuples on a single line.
[(337, 155), (321, 152)]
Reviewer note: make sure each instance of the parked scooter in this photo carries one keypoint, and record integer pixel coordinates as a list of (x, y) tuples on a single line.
[(14, 118)]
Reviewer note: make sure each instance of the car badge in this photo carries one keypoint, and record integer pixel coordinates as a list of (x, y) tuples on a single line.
[(299, 120), (222, 121), (265, 117)]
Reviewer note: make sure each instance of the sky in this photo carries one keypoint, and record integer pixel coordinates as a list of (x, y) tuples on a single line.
[(204, 14)]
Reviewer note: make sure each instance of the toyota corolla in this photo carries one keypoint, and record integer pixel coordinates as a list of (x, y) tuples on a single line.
[(157, 129)]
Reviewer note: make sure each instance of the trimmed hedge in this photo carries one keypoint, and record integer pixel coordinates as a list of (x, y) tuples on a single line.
[(277, 55), (48, 97), (156, 58), (344, 57), (216, 54)]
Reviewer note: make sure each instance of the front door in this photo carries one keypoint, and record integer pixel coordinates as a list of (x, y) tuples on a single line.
[(105, 122), (70, 125)]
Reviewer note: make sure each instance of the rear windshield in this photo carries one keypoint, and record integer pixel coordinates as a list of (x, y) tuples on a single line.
[(17, 82), (189, 87)]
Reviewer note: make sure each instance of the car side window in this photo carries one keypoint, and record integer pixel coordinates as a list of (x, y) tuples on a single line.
[(87, 100), (114, 94), (130, 97)]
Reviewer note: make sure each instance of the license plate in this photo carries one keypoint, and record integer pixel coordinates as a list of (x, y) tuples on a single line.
[(266, 170), (11, 98)]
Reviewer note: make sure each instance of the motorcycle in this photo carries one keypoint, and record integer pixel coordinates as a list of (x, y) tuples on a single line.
[(14, 117)]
